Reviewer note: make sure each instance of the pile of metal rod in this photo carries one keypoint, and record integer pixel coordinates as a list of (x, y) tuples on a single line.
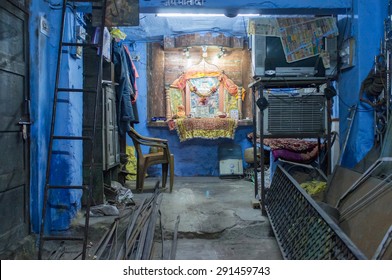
[(135, 241)]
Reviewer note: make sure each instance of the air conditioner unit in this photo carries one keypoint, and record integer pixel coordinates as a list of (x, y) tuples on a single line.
[(293, 115)]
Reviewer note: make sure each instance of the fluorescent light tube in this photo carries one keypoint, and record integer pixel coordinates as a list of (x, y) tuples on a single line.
[(200, 15)]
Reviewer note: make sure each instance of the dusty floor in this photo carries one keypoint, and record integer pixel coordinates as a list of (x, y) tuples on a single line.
[(216, 222)]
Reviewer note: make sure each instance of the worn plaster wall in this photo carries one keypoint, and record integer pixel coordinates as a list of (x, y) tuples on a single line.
[(43, 55)]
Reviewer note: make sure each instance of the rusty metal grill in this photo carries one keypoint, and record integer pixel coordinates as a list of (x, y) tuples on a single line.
[(302, 228)]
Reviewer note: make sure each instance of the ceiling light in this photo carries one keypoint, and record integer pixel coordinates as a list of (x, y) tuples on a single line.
[(200, 15), (188, 15), (248, 15)]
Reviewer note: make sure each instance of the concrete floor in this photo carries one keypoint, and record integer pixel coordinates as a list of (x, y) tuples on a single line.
[(217, 222)]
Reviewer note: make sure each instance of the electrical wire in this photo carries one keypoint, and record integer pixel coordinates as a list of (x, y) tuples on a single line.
[(350, 106)]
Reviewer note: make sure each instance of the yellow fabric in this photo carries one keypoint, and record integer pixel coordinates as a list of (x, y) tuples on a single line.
[(314, 187), (117, 33), (207, 134), (209, 128), (131, 164), (193, 75)]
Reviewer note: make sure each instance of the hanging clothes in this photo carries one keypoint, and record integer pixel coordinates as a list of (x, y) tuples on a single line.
[(126, 111), (133, 73)]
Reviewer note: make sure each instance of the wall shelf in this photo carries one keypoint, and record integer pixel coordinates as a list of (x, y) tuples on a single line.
[(288, 82)]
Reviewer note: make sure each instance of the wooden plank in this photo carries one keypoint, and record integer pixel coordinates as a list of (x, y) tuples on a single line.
[(155, 81)]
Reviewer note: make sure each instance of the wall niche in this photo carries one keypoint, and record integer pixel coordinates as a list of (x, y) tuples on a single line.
[(196, 52)]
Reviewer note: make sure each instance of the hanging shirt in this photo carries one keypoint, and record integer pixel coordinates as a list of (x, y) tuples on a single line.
[(126, 111)]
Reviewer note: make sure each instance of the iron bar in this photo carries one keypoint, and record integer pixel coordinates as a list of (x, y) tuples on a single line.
[(174, 243), (151, 227), (384, 245)]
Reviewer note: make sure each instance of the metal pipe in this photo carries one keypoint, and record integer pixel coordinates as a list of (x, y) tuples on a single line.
[(174, 244), (261, 136), (254, 139)]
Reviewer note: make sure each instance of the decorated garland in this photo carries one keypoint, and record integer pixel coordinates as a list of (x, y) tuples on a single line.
[(210, 92), (184, 80)]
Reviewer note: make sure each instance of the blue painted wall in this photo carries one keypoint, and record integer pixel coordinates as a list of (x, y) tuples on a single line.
[(367, 29), (41, 89), (43, 55)]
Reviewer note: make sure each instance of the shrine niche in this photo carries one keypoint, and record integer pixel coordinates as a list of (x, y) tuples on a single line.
[(204, 94), (166, 65), (204, 104)]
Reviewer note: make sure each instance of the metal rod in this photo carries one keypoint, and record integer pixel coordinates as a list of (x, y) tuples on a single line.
[(363, 177), (50, 146), (351, 122), (162, 233), (174, 243), (142, 242), (329, 105), (367, 198), (98, 89), (261, 136), (132, 222), (151, 226), (255, 180), (385, 243), (104, 241)]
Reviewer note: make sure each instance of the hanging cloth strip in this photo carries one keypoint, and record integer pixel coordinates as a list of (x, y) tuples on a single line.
[(133, 74)]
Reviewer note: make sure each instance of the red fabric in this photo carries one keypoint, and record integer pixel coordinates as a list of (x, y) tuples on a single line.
[(291, 144), (291, 149)]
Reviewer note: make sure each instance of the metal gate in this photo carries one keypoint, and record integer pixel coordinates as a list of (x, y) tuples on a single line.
[(302, 228)]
